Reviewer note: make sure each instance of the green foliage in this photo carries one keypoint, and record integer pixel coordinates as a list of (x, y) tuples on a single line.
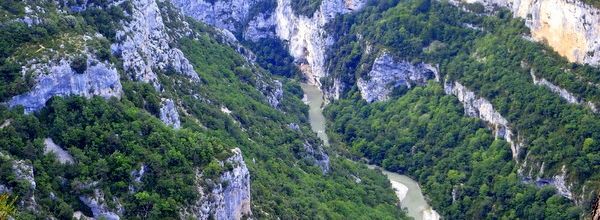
[(109, 140), (20, 43), (489, 55), (274, 57), (79, 64), (425, 135), (305, 7), (284, 183), (7, 206)]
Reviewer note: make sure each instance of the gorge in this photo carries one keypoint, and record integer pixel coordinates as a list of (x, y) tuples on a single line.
[(408, 191), (268, 109)]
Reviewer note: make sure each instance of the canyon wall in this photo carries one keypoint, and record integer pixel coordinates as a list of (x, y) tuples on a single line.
[(571, 27), (305, 36), (387, 74)]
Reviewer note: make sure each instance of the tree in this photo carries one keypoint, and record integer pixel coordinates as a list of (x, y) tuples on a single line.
[(7, 206)]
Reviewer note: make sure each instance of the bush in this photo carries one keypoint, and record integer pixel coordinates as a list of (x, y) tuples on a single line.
[(79, 64)]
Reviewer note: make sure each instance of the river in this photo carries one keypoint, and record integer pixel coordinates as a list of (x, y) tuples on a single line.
[(408, 191)]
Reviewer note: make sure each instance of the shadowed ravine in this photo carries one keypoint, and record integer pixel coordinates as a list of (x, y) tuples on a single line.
[(407, 190)]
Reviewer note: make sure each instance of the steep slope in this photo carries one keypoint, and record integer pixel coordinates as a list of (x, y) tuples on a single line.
[(304, 36), (487, 62), (571, 28), (128, 109)]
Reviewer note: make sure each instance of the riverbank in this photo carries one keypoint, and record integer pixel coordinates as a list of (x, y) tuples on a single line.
[(407, 190)]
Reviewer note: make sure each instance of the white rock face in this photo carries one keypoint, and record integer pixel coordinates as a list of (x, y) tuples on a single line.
[(319, 155), (563, 93), (144, 46), (97, 204), (59, 79), (560, 183), (24, 172), (261, 26), (274, 93), (169, 114), (388, 74), (571, 27), (224, 14), (62, 155), (229, 196), (137, 176), (306, 38), (483, 109)]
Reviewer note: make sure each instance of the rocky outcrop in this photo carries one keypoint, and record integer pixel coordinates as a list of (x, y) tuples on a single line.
[(24, 172), (227, 197), (319, 156), (137, 176), (481, 108), (563, 93), (571, 27), (570, 98), (225, 14), (596, 209), (145, 46), (388, 74), (558, 182), (60, 79), (62, 155), (97, 203), (274, 93), (169, 114), (260, 27)]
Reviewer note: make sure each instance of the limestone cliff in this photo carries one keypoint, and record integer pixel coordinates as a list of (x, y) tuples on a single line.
[(571, 27), (145, 46), (563, 93), (60, 79), (169, 114), (305, 37), (227, 197), (97, 203), (481, 108), (387, 74)]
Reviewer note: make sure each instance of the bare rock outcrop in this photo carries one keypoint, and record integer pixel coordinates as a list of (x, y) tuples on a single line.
[(145, 46), (571, 27), (388, 74), (60, 79), (481, 108), (169, 114), (62, 155), (227, 197), (98, 204)]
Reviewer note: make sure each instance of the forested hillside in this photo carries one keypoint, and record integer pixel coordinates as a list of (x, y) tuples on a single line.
[(422, 132), (117, 153)]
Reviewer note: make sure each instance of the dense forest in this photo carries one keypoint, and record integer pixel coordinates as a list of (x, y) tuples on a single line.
[(423, 134), (306, 7), (463, 171), (248, 96)]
